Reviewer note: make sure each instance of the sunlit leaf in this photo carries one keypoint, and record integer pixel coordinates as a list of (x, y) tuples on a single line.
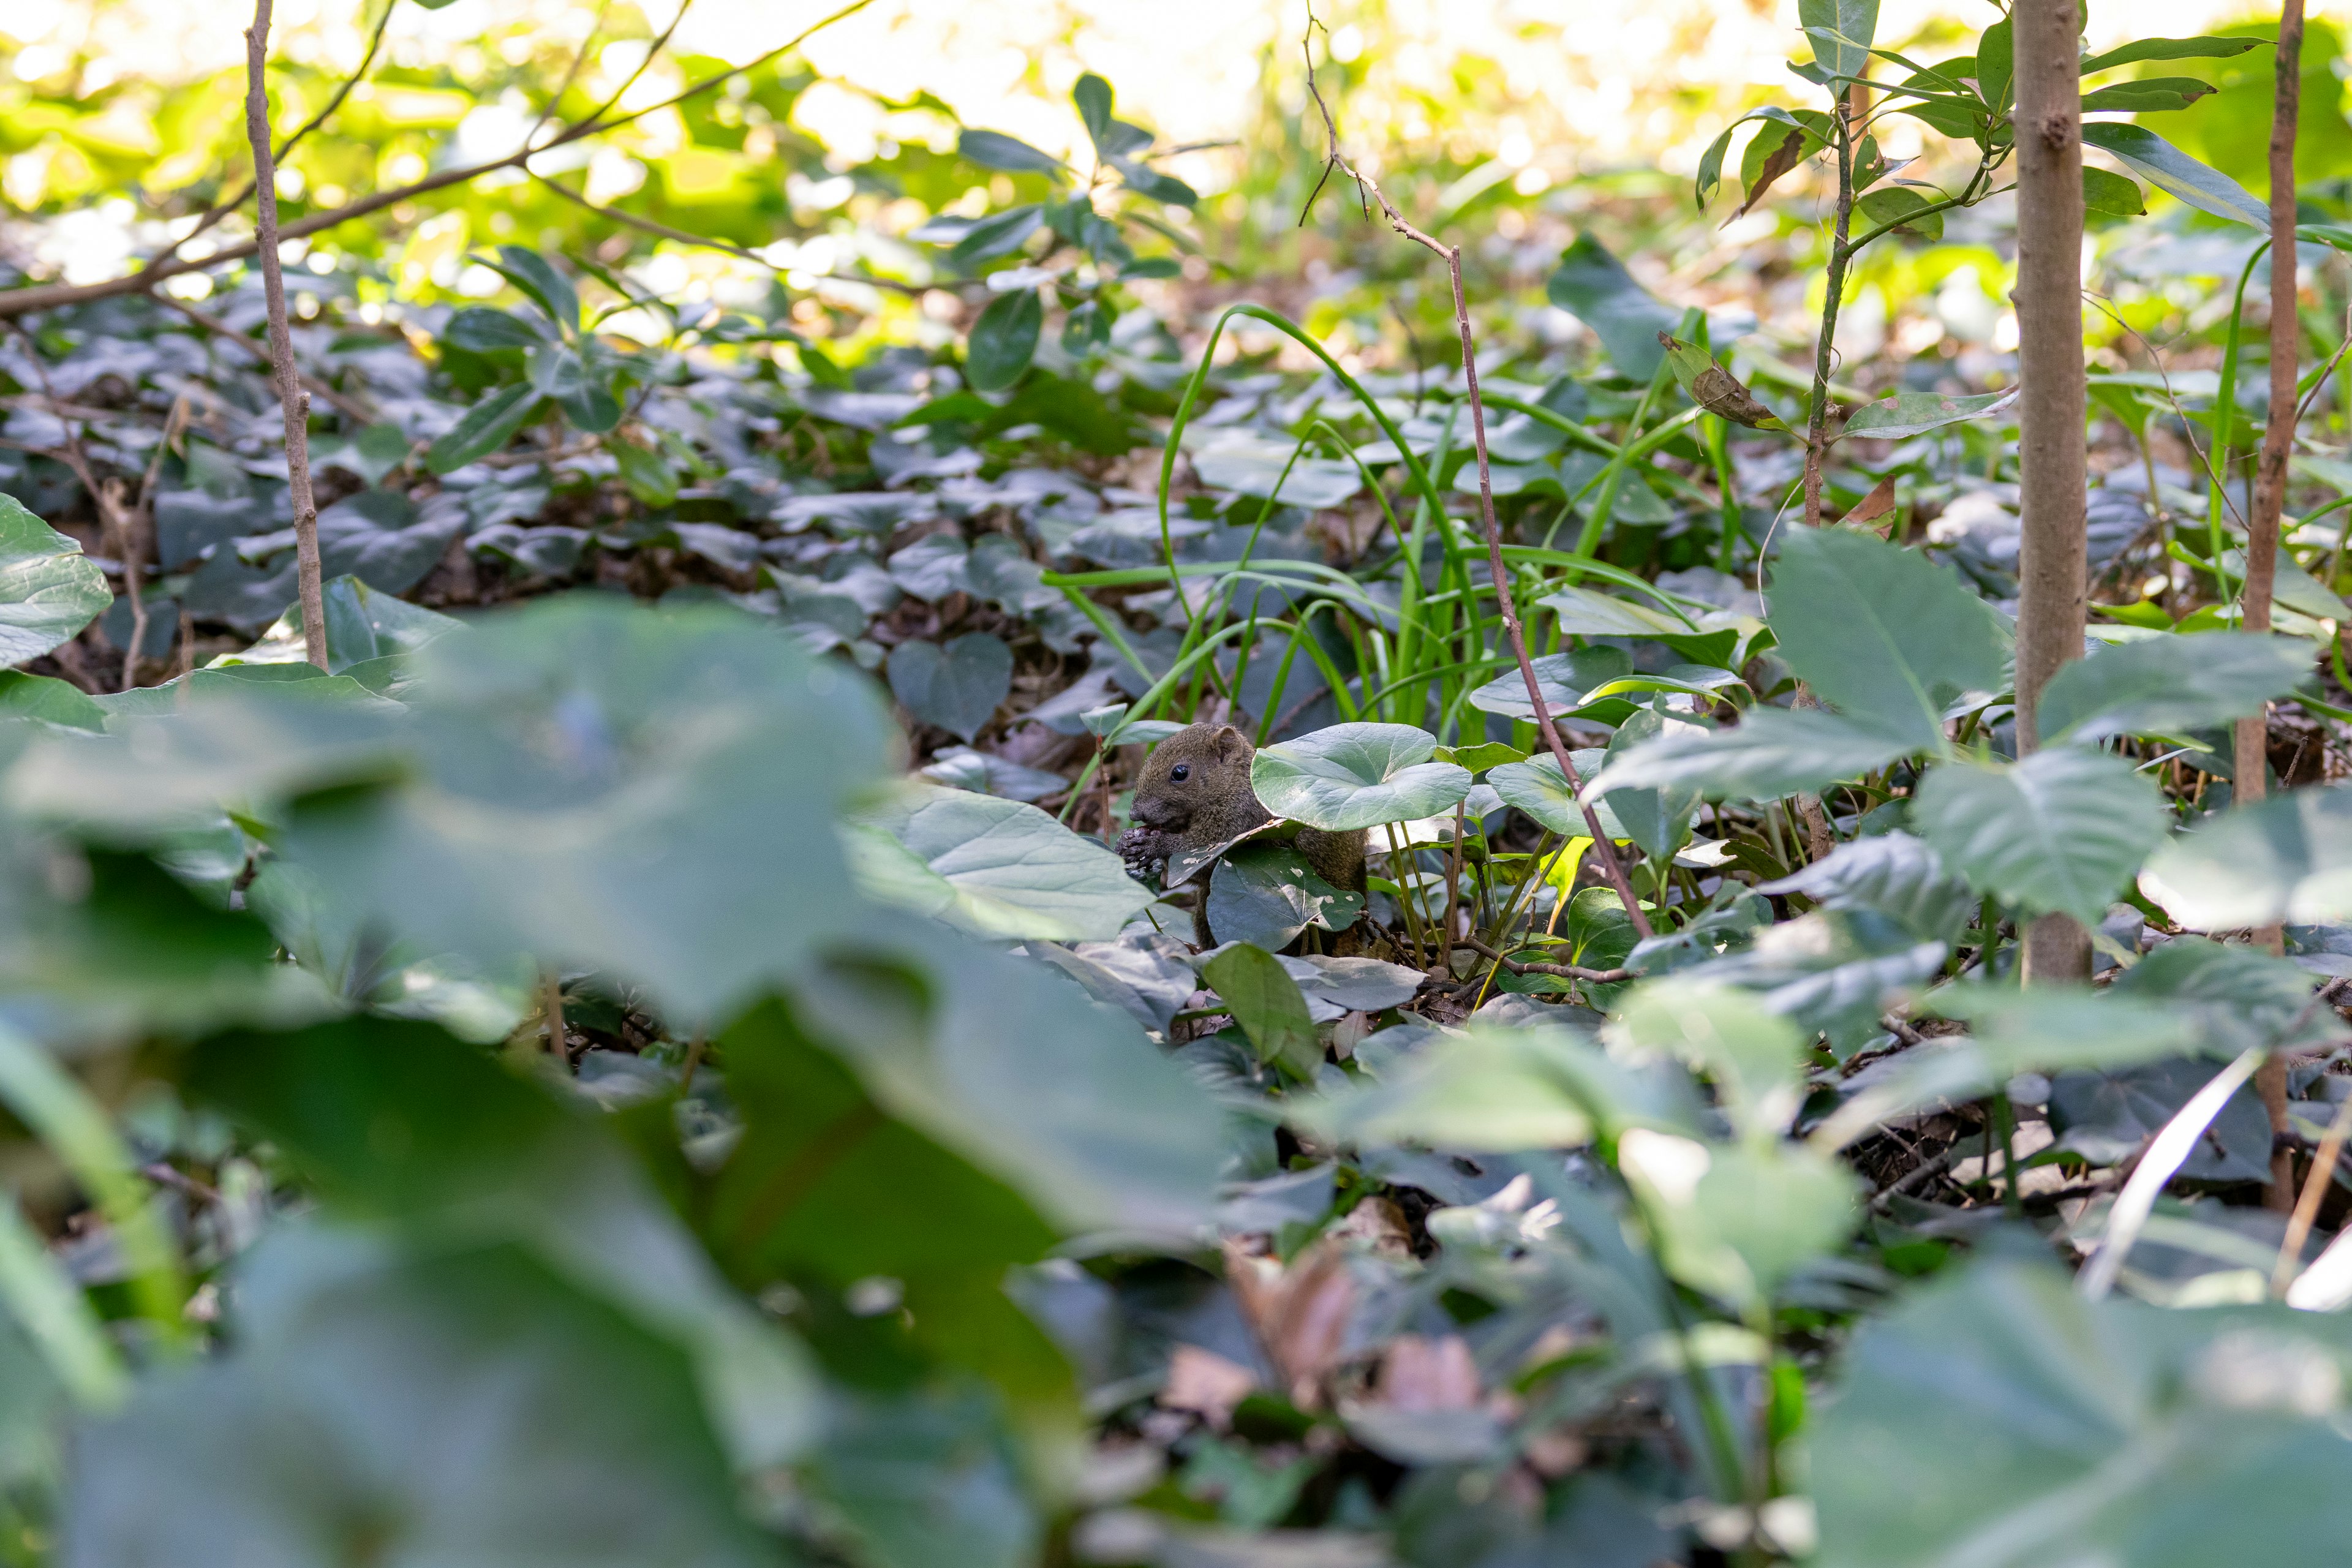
[(1357, 775), (2062, 831), (49, 589)]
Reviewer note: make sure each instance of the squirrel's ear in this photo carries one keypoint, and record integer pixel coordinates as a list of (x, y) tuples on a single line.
[(1230, 742)]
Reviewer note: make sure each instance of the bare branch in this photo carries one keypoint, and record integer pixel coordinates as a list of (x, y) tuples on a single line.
[(291, 393)]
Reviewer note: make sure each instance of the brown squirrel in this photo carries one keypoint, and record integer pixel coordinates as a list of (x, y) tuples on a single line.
[(1194, 793)]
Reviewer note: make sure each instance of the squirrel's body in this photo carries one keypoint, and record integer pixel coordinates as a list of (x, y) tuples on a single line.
[(1194, 793)]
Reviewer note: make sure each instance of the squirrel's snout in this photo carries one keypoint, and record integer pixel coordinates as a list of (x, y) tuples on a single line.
[(1167, 816)]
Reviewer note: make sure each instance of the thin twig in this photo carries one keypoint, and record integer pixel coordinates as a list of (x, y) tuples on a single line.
[(2314, 1188), (342, 402), (1531, 966), (291, 396), (571, 73), (1366, 189), (228, 204), (56, 296)]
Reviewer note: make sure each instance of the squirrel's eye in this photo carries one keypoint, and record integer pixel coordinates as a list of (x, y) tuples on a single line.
[(1181, 771)]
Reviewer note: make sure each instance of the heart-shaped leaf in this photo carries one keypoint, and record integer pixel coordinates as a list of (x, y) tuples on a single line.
[(1357, 775), (2288, 858), (995, 866), (2169, 685), (1265, 892), (2062, 831), (1770, 753), (957, 687), (49, 589)]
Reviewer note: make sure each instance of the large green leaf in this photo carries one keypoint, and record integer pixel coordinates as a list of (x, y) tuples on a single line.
[(1564, 678), (2201, 49), (1594, 287), (486, 426), (1999, 1418), (2062, 831), (2174, 172), (1267, 892), (2169, 685), (49, 589), (2288, 858), (1770, 753), (2150, 95), (958, 687), (1841, 32), (1884, 634), (995, 866), (1891, 874), (1735, 1220), (355, 1420), (604, 785), (1357, 775)]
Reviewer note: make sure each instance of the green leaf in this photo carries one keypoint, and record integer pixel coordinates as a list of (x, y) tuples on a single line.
[(1146, 181), (2205, 49), (1753, 1214), (1564, 678), (1771, 753), (1996, 65), (2288, 858), (996, 150), (1490, 1089), (930, 1479), (1917, 413), (45, 700), (1890, 874), (1003, 340), (1714, 388), (535, 276), (1357, 775), (2062, 831), (1093, 97), (363, 625), (2150, 95), (959, 687), (1884, 636), (1710, 164), (1999, 1416), (486, 426), (1267, 892), (483, 331), (1841, 32), (1000, 868), (2169, 685), (1537, 788), (49, 589), (577, 386), (1757, 1058), (339, 1427), (2105, 190), (2175, 173), (1895, 203), (998, 234), (1586, 611), (1266, 1002), (1592, 286)]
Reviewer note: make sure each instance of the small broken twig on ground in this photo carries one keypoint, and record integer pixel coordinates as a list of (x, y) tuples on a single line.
[(1532, 966)]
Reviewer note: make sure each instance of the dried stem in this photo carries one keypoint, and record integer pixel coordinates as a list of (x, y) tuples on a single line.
[(291, 396), (1611, 866), (2250, 780)]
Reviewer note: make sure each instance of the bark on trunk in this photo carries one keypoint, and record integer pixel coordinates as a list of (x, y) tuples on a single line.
[(2051, 453)]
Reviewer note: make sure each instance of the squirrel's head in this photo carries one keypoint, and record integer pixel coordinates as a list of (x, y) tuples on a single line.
[(1204, 768)]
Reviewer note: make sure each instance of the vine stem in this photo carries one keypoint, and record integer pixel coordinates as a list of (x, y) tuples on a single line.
[(292, 394)]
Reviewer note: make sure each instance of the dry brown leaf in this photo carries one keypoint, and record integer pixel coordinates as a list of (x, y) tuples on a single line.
[(1877, 504), (1421, 1374), (1379, 1223), (1299, 1313), (1783, 158), (1206, 1385)]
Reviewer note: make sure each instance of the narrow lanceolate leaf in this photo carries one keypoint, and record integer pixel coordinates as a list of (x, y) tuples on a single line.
[(49, 589), (996, 150), (486, 426), (2061, 832), (1917, 413), (2151, 95), (2169, 685), (2172, 50), (2174, 172), (1884, 634), (2289, 859), (1714, 388), (1594, 287), (1771, 753)]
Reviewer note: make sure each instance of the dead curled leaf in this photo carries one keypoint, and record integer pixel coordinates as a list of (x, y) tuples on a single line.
[(1877, 504), (1421, 1374), (1779, 162), (1299, 1314), (1206, 1385)]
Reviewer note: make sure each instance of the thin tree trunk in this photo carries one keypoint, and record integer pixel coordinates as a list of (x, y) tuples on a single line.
[(291, 393), (2252, 780), (2051, 412)]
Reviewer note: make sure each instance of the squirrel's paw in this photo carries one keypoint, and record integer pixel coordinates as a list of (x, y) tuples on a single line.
[(1144, 850)]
